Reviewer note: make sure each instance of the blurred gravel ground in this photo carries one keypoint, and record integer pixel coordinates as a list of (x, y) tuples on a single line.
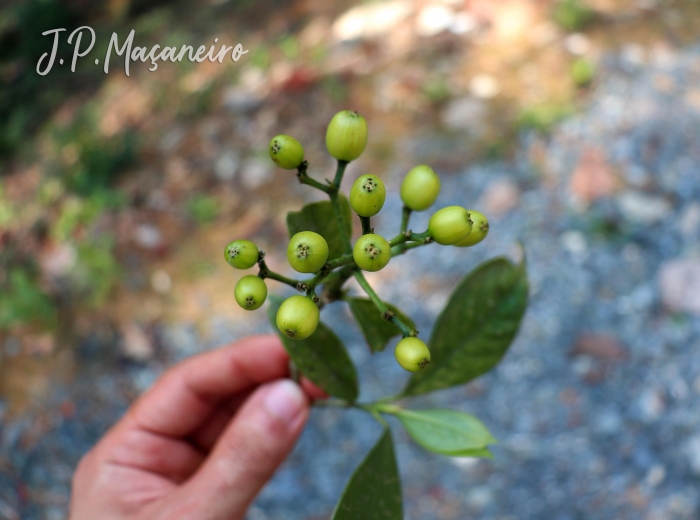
[(596, 404)]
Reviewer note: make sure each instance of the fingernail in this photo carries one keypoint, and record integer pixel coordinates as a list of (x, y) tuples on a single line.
[(285, 400)]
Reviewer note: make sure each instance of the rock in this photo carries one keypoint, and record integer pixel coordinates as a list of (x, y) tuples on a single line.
[(577, 44), (692, 453), (226, 165), (371, 20), (656, 475), (465, 113), (434, 19), (255, 172), (575, 243), (651, 404), (679, 282), (499, 198), (592, 178), (161, 281), (242, 100), (603, 347), (689, 222), (644, 209), (148, 236), (136, 343), (56, 261), (484, 86)]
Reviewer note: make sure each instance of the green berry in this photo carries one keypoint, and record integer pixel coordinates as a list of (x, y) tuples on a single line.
[(346, 137), (250, 292), (307, 252), (297, 317), (450, 225), (412, 354), (479, 230), (371, 252), (286, 152), (420, 188), (241, 254), (367, 195)]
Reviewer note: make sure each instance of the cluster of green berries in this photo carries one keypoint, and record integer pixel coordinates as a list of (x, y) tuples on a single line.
[(307, 252)]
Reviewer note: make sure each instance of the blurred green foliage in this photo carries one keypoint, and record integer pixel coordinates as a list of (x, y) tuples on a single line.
[(22, 301), (582, 72), (572, 15), (543, 117), (203, 209)]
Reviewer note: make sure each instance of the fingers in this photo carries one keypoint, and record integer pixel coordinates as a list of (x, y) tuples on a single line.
[(248, 452), (172, 458), (188, 394)]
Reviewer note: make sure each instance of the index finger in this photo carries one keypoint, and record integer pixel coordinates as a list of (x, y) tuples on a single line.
[(185, 396)]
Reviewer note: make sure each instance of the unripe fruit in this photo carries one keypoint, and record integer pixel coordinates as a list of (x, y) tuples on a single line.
[(286, 152), (450, 225), (250, 292), (297, 317), (420, 188), (367, 195), (346, 136), (307, 252), (371, 252), (241, 254), (479, 230), (412, 354)]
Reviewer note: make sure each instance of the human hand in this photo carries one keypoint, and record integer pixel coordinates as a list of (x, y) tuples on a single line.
[(201, 443)]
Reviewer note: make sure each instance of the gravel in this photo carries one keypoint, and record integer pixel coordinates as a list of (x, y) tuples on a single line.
[(579, 436)]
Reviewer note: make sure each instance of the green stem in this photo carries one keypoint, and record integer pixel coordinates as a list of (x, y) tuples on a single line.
[(304, 178), (382, 307), (346, 259), (402, 248), (366, 225), (410, 236), (339, 172), (405, 215), (265, 272)]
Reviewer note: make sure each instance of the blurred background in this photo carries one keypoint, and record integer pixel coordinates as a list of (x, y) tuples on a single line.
[(573, 124)]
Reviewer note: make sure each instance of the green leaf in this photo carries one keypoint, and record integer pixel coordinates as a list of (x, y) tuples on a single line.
[(376, 330), (448, 432), (374, 489), (321, 357), (483, 453), (476, 327), (320, 218)]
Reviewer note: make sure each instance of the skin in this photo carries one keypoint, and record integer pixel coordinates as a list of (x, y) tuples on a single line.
[(201, 443)]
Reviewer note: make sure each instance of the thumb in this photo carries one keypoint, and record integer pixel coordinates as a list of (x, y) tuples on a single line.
[(249, 451)]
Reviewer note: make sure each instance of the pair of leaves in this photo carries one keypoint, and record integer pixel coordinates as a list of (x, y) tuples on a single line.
[(476, 327), (321, 357), (374, 489), (320, 218), (376, 330), (447, 432)]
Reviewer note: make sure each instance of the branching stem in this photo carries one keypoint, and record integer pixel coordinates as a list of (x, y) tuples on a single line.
[(382, 307)]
